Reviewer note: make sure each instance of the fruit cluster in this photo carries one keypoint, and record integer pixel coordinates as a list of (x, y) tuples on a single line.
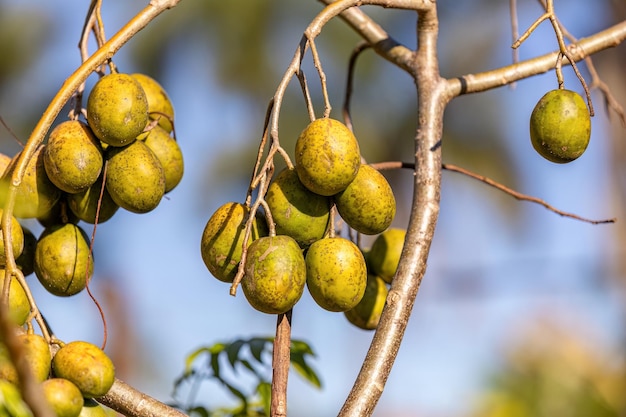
[(304, 251), (70, 379)]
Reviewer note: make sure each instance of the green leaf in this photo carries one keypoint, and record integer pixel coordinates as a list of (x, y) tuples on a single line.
[(301, 366), (233, 352), (301, 347), (252, 369), (257, 346), (264, 389), (11, 403), (191, 358), (215, 366)]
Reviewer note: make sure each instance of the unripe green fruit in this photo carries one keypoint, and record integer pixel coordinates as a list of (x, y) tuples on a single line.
[(384, 255), (117, 109), (327, 156), (19, 308), (73, 156), (560, 126), (366, 314), (367, 204), (92, 409), (297, 212), (135, 178), (63, 263), (63, 397), (223, 237), (36, 194), (275, 274), (168, 153), (84, 205), (17, 239), (336, 273), (87, 366), (158, 101), (26, 261)]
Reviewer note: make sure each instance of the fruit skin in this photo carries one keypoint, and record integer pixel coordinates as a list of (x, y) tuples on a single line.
[(63, 396), (92, 409), (35, 352), (87, 366), (366, 314), (327, 156), (84, 205), (117, 109), (297, 212), (222, 239), (275, 274), (63, 264), (367, 204), (135, 178), (384, 255), (73, 156), (336, 273), (560, 126), (19, 308), (158, 100), (168, 153), (17, 239)]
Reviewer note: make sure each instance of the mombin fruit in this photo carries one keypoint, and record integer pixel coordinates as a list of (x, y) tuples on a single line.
[(17, 239), (63, 396), (19, 308), (87, 366), (275, 274), (159, 104), (560, 126), (366, 314), (384, 255), (327, 156)]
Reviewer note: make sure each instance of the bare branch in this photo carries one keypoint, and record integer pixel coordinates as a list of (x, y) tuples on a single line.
[(132, 403)]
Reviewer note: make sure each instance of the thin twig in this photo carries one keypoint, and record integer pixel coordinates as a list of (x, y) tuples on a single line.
[(356, 52)]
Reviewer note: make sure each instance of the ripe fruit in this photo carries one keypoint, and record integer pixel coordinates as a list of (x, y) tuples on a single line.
[(17, 239), (135, 178), (297, 212), (366, 314), (560, 126), (73, 156), (92, 409), (159, 105), (222, 239), (36, 194), (37, 354), (117, 109), (384, 255), (367, 204), (63, 396), (19, 308), (84, 205), (63, 264), (168, 153), (275, 274), (87, 366), (336, 273), (327, 156)]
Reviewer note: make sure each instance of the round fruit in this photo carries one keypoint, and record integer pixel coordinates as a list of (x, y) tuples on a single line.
[(26, 261), (63, 263), (87, 366), (117, 109), (367, 204), (560, 126), (327, 156), (19, 307), (36, 194), (222, 239), (169, 155), (384, 255), (63, 396), (336, 273), (297, 212), (92, 409), (135, 178), (159, 105), (7, 368), (275, 274), (17, 239), (84, 205), (73, 156), (366, 314), (36, 352)]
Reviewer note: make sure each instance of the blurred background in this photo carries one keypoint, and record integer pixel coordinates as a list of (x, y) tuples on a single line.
[(521, 312)]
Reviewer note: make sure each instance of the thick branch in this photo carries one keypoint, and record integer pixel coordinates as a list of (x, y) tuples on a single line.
[(128, 401)]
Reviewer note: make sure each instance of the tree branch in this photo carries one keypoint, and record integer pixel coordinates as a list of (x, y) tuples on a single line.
[(132, 403)]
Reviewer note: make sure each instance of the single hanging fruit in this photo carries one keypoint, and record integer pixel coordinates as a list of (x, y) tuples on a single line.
[(63, 397), (168, 153)]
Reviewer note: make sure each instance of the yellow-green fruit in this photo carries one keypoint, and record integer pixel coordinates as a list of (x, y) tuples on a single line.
[(19, 308), (63, 264), (36, 194), (117, 109), (26, 261), (86, 204), (36, 352), (327, 156), (159, 104), (297, 212), (560, 126), (5, 160), (366, 314), (17, 239), (63, 397), (384, 255), (169, 155), (223, 237), (73, 156), (336, 273), (92, 409), (275, 274), (367, 204), (135, 178), (7, 368), (87, 366)]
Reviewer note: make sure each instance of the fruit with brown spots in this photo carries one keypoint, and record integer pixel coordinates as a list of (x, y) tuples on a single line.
[(366, 314), (87, 366), (63, 396)]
